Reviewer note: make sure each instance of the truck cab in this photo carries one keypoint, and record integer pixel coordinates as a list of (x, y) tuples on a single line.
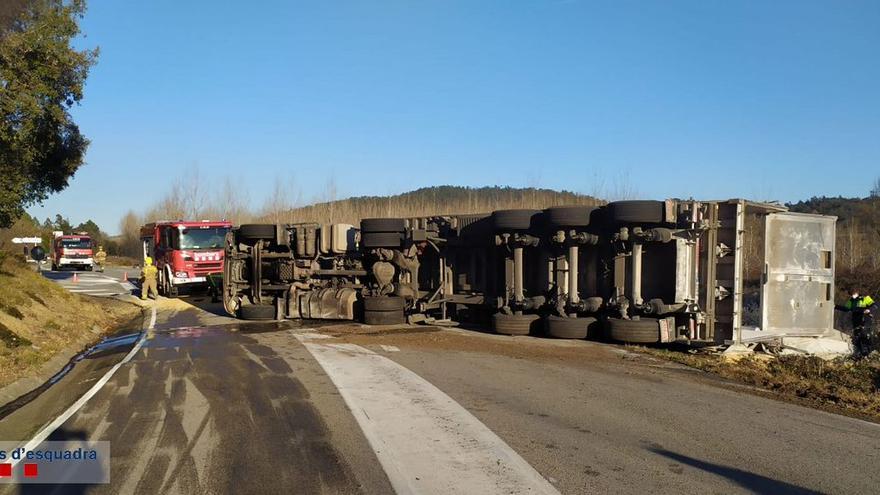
[(186, 253), (72, 251)]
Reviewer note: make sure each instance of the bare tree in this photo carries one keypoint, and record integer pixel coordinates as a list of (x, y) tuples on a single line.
[(280, 202), (231, 203), (194, 193), (129, 229), (330, 197)]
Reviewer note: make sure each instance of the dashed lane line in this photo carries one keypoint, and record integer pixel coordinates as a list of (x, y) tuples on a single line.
[(425, 441), (70, 411)]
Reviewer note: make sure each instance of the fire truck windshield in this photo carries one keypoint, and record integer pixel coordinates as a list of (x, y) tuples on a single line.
[(76, 243), (211, 238)]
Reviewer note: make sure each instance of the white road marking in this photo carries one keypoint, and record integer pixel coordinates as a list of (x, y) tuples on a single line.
[(60, 420), (425, 441), (389, 348), (95, 285)]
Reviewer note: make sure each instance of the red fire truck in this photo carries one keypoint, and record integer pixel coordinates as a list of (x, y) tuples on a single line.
[(72, 251), (186, 253)]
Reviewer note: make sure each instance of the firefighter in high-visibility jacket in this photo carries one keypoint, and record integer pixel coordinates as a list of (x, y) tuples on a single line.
[(861, 310), (148, 279), (100, 258)]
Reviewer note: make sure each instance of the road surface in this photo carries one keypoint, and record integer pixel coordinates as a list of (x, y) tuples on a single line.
[(208, 404)]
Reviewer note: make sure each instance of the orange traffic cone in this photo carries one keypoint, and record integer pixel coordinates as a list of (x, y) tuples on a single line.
[(75, 278)]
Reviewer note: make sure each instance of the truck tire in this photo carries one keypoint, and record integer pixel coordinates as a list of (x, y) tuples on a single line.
[(257, 312), (256, 231), (636, 211), (384, 317), (382, 239), (383, 225), (513, 219), (569, 328), (641, 331), (384, 303), (515, 324), (569, 216)]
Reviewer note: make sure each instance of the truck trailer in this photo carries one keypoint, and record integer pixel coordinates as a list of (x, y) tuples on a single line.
[(632, 271)]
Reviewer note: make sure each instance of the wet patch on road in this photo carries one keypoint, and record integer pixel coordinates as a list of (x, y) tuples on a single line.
[(211, 410)]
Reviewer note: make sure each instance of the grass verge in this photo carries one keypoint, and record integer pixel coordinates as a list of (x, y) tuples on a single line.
[(39, 319), (842, 385)]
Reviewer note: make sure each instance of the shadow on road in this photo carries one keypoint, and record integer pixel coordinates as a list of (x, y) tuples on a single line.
[(52, 275), (750, 481)]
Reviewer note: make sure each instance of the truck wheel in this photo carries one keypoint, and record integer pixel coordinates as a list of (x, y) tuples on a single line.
[(257, 312), (381, 239), (569, 328), (641, 331), (513, 219), (569, 216), (638, 211), (515, 324), (256, 231), (383, 225), (384, 317), (384, 303)]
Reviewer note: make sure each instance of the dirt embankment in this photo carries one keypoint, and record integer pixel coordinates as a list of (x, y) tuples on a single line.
[(39, 319), (844, 385)]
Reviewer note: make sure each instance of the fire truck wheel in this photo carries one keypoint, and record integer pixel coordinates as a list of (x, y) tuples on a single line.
[(569, 216), (384, 303), (513, 219), (381, 239), (515, 324), (383, 225), (641, 331), (568, 328), (257, 312), (256, 231), (384, 317)]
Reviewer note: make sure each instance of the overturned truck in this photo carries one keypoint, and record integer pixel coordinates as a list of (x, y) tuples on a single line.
[(630, 271)]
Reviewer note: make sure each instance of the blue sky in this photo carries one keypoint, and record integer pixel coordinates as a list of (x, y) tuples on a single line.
[(767, 100)]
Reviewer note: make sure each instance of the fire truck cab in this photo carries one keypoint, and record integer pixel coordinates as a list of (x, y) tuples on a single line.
[(186, 253), (72, 251)]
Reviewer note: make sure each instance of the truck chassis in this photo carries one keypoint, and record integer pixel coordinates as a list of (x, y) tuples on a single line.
[(630, 271)]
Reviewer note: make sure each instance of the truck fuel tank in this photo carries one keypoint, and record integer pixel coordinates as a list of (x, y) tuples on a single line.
[(322, 304)]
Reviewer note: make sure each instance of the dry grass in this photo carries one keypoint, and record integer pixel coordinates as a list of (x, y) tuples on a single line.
[(842, 385), (39, 319)]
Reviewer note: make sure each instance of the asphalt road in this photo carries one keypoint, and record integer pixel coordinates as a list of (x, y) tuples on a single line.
[(209, 405)]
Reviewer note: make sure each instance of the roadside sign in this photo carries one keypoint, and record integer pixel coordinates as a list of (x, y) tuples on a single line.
[(27, 240)]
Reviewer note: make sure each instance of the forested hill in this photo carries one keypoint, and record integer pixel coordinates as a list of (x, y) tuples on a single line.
[(434, 201), (858, 238), (847, 210)]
